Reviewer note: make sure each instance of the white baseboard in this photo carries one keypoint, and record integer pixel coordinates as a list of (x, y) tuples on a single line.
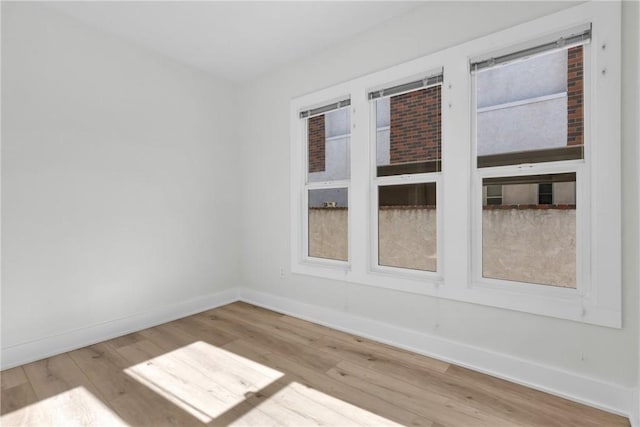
[(31, 351), (589, 391), (635, 414)]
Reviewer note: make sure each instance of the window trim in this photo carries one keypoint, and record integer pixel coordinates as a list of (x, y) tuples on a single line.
[(601, 302)]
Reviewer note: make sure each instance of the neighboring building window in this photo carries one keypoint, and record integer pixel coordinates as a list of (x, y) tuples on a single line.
[(327, 188), (545, 194), (529, 110), (408, 162), (493, 194)]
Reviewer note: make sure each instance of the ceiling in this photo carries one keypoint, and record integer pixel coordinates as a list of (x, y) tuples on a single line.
[(235, 40)]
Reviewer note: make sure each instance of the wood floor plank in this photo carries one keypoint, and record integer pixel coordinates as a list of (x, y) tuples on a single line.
[(247, 307), (320, 381), (66, 396), (126, 339), (309, 407), (16, 407), (368, 352), (303, 354), (200, 331), (54, 375), (247, 366), (280, 402), (208, 379), (364, 345), (105, 367), (431, 380), (17, 397), (268, 324), (246, 414), (436, 408), (442, 384), (168, 337), (527, 400), (351, 414), (142, 351), (13, 377), (218, 385)]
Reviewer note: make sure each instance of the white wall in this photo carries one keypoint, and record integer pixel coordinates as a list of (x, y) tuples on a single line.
[(115, 179), (609, 355), (631, 119)]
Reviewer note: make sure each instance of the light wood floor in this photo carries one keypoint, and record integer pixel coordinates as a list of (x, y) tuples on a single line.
[(245, 365)]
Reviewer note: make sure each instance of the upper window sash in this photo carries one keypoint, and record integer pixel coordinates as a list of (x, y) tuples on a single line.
[(510, 108), (413, 145)]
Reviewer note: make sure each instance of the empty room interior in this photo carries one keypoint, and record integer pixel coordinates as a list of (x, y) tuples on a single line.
[(365, 213)]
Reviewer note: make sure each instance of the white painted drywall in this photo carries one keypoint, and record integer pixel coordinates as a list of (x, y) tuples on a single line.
[(118, 172), (603, 353), (628, 19)]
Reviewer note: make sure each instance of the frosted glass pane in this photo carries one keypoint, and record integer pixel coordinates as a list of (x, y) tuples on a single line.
[(328, 223), (529, 234), (531, 78), (531, 111), (519, 128), (407, 227)]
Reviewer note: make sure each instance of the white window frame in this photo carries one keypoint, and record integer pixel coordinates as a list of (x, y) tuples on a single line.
[(579, 166), (582, 247), (404, 179), (320, 185), (597, 299)]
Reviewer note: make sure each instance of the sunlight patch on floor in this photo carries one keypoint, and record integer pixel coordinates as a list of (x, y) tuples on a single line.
[(299, 405), (204, 380), (75, 407)]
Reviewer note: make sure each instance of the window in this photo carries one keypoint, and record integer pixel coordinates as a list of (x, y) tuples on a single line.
[(492, 194), (545, 194), (486, 173), (408, 145), (327, 186), (530, 111)]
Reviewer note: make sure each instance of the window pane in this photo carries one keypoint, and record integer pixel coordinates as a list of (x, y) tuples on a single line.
[(329, 139), (527, 241), (407, 226), (408, 132), (328, 223), (531, 111)]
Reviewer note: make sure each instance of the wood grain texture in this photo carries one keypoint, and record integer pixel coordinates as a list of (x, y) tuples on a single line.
[(247, 366)]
